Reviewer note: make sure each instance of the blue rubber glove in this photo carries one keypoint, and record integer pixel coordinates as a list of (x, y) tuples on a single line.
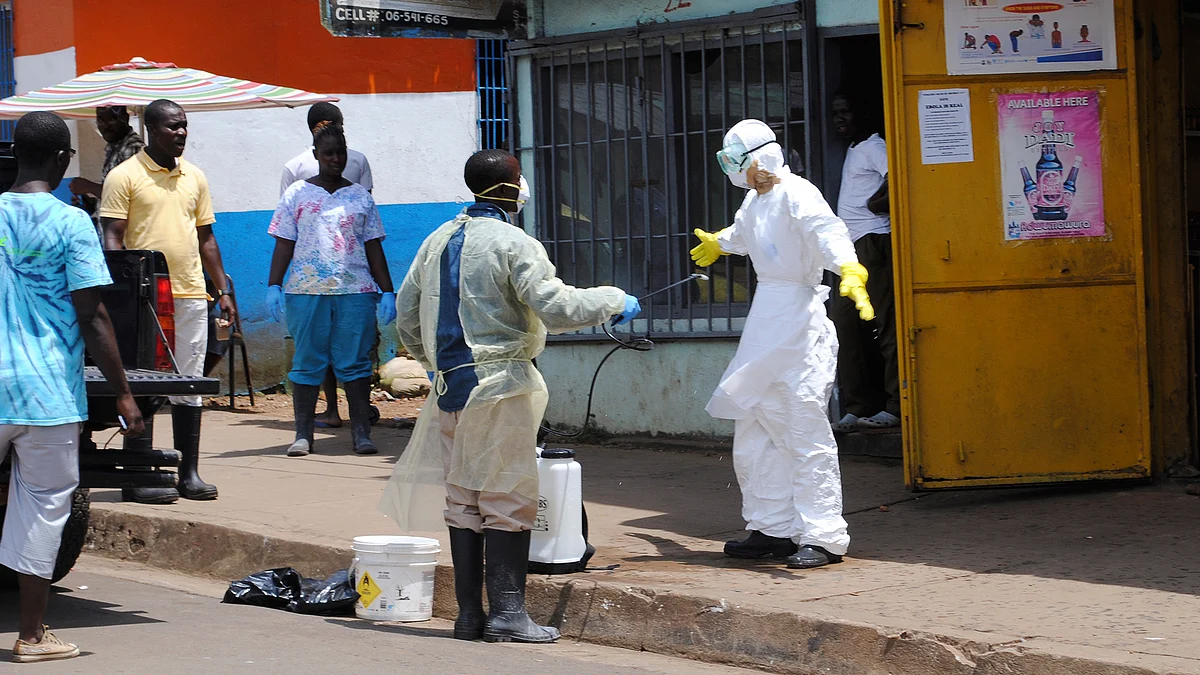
[(387, 308), (275, 302), (632, 309)]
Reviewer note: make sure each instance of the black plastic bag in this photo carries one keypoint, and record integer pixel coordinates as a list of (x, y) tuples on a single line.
[(284, 588), (334, 596)]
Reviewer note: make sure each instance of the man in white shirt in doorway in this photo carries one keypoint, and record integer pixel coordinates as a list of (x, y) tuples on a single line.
[(302, 167), (868, 372)]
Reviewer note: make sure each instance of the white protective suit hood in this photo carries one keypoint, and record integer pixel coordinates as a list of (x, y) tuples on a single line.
[(751, 134)]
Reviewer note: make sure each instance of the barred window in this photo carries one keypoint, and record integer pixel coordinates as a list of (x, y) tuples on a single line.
[(625, 135), (491, 77)]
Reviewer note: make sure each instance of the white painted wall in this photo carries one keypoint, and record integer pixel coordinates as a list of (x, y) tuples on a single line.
[(663, 391), (416, 143), (43, 70)]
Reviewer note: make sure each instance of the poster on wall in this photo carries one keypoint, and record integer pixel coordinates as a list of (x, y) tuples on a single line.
[(1010, 36), (944, 117), (479, 19), (1051, 174)]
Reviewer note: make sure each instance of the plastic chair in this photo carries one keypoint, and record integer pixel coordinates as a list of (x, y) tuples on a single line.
[(236, 340)]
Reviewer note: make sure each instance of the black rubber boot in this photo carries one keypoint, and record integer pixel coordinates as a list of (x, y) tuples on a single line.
[(507, 565), (147, 495), (759, 545), (809, 557), (466, 549), (304, 408), (185, 420), (358, 399)]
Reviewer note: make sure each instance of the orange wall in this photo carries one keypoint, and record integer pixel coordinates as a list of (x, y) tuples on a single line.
[(277, 41), (41, 26)]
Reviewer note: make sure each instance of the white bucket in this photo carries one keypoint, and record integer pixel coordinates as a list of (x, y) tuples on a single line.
[(394, 577)]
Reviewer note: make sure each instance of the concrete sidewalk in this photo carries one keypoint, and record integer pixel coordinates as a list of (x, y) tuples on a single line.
[(1071, 580)]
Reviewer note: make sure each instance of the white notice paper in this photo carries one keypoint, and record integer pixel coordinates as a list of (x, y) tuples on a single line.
[(945, 121)]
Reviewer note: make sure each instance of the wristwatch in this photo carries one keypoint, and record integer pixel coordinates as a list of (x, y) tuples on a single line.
[(220, 294)]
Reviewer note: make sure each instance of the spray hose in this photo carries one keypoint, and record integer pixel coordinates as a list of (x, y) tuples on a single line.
[(635, 344)]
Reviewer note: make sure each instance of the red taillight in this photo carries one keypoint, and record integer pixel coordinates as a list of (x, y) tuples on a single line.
[(165, 309)]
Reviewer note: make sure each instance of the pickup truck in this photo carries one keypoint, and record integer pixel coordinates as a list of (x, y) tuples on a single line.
[(142, 310)]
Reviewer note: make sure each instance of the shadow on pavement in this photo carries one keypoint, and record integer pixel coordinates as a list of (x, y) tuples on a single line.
[(413, 630), (1132, 535), (69, 611)]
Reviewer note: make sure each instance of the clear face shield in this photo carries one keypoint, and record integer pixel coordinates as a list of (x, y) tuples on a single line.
[(735, 158)]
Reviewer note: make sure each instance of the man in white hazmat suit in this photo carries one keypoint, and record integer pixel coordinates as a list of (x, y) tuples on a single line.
[(475, 309), (778, 386)]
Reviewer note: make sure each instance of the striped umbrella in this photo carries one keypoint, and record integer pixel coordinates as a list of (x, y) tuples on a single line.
[(137, 83)]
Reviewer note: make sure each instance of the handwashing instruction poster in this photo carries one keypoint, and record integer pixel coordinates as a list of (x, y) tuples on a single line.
[(1050, 165), (1007, 36)]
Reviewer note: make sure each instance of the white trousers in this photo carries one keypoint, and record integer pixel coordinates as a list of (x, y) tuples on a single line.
[(786, 462), (45, 473), (191, 342)]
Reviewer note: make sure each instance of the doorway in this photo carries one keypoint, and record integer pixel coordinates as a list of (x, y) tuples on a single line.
[(849, 55), (1191, 102)]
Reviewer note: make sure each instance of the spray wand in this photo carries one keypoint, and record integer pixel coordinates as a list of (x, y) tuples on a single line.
[(636, 344)]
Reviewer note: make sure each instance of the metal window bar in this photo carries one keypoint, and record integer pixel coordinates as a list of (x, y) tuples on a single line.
[(8, 77), (615, 148), (491, 74)]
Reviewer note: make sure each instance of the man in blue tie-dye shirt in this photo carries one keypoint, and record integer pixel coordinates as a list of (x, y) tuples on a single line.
[(51, 271)]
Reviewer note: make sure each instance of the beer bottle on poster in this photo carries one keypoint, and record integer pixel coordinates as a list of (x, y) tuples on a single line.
[(1049, 175), (1031, 191), (1069, 186)]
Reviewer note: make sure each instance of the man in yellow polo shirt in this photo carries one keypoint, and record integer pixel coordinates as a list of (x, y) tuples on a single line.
[(157, 201)]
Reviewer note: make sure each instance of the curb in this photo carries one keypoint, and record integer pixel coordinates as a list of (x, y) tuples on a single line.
[(614, 614)]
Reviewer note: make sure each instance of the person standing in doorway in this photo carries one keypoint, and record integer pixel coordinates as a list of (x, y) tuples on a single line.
[(51, 272), (122, 142), (863, 205), (159, 201), (302, 167), (328, 230)]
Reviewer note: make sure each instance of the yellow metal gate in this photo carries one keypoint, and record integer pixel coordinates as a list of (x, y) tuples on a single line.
[(1022, 361)]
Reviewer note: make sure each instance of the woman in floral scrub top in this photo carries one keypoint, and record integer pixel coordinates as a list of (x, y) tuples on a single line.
[(328, 232)]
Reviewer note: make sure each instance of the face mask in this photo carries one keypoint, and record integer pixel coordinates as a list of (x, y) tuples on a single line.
[(523, 195), (740, 180), (521, 189)]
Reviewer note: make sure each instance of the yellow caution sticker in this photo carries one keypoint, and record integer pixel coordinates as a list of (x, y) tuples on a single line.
[(368, 590)]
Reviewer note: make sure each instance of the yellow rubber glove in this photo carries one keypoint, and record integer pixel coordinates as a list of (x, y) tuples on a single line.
[(709, 250), (854, 286)]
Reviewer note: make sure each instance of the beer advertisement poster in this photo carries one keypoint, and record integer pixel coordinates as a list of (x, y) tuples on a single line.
[(1050, 165), (1018, 36)]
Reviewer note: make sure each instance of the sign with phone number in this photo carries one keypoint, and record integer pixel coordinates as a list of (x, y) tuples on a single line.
[(384, 18)]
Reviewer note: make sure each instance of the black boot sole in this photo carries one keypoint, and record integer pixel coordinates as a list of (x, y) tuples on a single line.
[(495, 638), (802, 566), (759, 555), (199, 496), (131, 496), (468, 634)]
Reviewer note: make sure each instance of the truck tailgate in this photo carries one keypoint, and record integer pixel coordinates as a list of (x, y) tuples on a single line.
[(153, 383)]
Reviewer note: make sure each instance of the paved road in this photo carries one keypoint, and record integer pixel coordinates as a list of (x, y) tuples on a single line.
[(132, 620)]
